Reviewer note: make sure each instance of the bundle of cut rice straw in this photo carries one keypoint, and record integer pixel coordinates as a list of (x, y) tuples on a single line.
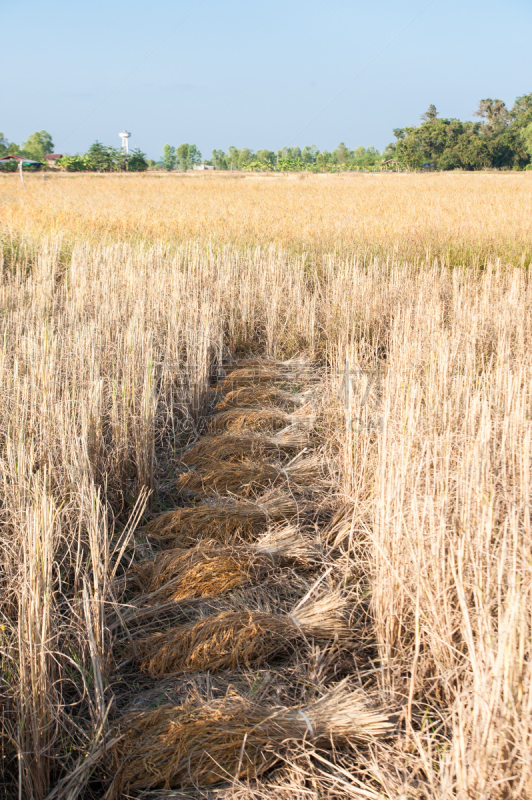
[(204, 743), (240, 638), (247, 477), (253, 396), (225, 519), (253, 375), (239, 446), (211, 569), (268, 418)]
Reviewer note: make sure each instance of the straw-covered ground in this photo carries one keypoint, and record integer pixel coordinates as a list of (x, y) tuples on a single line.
[(265, 453)]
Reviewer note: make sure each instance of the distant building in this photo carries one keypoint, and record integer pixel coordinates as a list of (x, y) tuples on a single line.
[(52, 158), (390, 164), (203, 166), (20, 160)]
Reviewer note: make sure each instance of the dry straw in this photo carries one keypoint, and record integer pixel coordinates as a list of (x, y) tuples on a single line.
[(252, 376), (258, 419), (240, 638), (247, 477), (225, 519), (253, 396), (212, 569), (239, 446), (204, 743)]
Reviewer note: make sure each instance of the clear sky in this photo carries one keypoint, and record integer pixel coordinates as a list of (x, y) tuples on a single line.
[(253, 74)]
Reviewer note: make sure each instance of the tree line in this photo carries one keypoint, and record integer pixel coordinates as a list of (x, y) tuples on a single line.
[(185, 156), (98, 158), (500, 139)]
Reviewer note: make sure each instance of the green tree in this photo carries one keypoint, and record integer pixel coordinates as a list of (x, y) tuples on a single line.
[(137, 161), (4, 144), (73, 163), (342, 154), (169, 157), (494, 113), (521, 110), (183, 154), (309, 153), (234, 157), (100, 158), (266, 157), (219, 159), (37, 146), (430, 114), (194, 155)]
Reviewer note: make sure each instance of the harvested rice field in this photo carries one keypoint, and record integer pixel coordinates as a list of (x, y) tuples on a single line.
[(265, 451)]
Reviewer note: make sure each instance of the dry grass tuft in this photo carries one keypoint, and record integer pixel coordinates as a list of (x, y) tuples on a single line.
[(239, 638), (224, 519), (211, 569), (247, 477), (177, 747)]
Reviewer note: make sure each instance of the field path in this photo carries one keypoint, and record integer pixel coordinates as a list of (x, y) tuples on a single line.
[(236, 638)]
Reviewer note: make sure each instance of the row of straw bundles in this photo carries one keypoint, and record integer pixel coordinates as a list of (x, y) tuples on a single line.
[(253, 396), (240, 638), (211, 569), (239, 446), (204, 743), (247, 477), (224, 519)]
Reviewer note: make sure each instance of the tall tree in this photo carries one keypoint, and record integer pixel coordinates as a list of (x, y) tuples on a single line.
[(194, 155), (522, 108), (102, 158), (219, 159), (526, 134), (430, 114), (38, 145), (343, 154), (493, 112), (182, 154), (137, 161), (169, 157)]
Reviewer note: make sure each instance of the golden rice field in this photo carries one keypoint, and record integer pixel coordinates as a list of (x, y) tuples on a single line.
[(304, 575)]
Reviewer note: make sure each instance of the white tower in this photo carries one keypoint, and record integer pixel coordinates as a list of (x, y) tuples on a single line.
[(125, 135)]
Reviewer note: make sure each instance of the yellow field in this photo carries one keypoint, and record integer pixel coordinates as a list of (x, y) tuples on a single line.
[(456, 215), (119, 292)]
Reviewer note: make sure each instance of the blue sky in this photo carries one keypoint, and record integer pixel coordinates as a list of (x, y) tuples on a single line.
[(253, 74)]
